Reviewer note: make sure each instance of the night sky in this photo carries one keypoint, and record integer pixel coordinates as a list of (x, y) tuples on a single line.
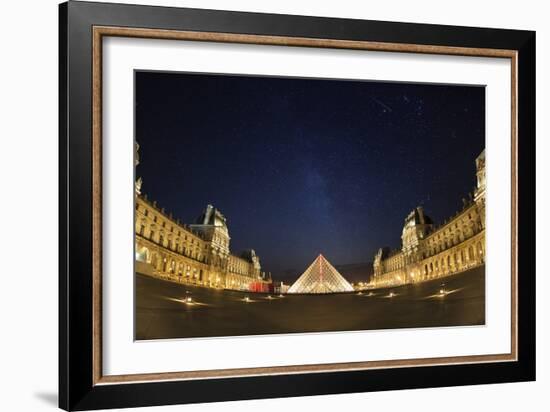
[(307, 166)]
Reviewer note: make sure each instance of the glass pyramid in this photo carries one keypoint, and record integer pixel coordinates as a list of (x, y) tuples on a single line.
[(320, 277)]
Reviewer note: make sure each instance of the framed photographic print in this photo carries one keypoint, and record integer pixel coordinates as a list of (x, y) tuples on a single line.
[(257, 205)]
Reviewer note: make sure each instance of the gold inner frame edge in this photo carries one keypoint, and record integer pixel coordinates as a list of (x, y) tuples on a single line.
[(101, 31)]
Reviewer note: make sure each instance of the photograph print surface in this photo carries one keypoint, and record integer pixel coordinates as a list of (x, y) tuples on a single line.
[(270, 205)]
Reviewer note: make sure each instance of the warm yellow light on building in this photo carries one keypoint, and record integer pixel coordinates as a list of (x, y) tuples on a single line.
[(429, 251)]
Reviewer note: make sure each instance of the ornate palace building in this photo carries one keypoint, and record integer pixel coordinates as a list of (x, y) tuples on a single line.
[(429, 252), (197, 253)]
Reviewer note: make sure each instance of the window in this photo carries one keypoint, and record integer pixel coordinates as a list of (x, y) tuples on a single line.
[(151, 235), (146, 212), (161, 240), (142, 230)]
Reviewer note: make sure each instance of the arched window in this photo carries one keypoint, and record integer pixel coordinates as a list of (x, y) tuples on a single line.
[(470, 253), (480, 250), (142, 255)]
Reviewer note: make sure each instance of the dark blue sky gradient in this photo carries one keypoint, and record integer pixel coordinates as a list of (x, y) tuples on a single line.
[(307, 166)]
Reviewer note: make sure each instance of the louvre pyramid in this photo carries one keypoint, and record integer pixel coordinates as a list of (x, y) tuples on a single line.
[(320, 277)]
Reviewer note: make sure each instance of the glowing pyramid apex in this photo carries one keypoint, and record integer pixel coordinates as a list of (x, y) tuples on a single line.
[(321, 277)]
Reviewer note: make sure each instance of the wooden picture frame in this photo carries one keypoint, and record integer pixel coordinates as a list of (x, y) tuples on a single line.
[(82, 384)]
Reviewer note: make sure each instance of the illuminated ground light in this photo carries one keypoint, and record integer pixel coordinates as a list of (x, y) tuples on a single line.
[(269, 297), (281, 295), (359, 293), (371, 294), (442, 292), (391, 295), (188, 301)]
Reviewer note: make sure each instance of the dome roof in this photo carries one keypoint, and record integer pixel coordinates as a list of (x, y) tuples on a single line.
[(418, 217), (211, 216)]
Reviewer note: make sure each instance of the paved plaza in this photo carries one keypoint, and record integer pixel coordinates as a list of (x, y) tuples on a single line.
[(170, 310)]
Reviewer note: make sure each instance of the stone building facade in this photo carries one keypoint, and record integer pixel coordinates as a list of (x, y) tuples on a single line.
[(196, 254), (429, 251)]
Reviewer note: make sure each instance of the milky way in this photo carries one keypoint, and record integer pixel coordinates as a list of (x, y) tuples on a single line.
[(302, 166)]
